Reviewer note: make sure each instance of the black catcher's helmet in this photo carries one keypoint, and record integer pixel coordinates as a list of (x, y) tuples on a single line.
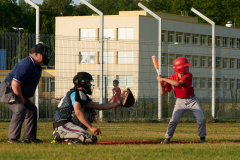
[(81, 79)]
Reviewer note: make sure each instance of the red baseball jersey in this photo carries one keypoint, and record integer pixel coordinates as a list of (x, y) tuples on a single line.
[(116, 93), (184, 90)]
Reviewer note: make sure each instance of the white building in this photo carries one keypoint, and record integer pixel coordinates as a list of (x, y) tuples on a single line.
[(131, 38)]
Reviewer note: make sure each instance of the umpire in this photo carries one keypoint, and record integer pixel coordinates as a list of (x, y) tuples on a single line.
[(15, 91)]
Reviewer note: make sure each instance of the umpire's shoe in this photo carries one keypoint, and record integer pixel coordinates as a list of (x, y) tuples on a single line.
[(32, 141), (204, 141), (166, 141), (13, 141)]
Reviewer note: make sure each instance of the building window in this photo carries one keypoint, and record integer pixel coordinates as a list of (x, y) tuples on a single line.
[(210, 62), (225, 83), (195, 61), (163, 59), (170, 37), (109, 81), (125, 81), (163, 36), (187, 38), (87, 34), (179, 37), (232, 63), (171, 59), (218, 83), (87, 58), (203, 61), (218, 62), (125, 33), (209, 83), (108, 33), (48, 84), (231, 42), (195, 82), (225, 62), (195, 39), (238, 63), (203, 40), (218, 42), (210, 40), (202, 83), (224, 45), (238, 83), (94, 80), (125, 57), (178, 55), (108, 57), (232, 83), (188, 58), (238, 43)]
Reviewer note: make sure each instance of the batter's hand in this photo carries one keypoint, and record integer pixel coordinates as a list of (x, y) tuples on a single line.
[(95, 130), (159, 78)]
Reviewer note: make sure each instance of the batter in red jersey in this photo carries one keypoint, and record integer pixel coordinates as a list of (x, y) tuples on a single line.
[(116, 95), (181, 81)]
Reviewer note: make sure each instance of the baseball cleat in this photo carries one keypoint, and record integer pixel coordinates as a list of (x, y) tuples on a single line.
[(91, 139), (55, 137), (166, 141)]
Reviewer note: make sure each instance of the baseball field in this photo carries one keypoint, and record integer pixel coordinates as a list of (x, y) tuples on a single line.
[(132, 141)]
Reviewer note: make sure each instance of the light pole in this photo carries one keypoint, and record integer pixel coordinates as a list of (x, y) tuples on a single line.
[(19, 30), (106, 78)]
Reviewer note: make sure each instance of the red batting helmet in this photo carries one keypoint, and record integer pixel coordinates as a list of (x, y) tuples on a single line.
[(179, 63)]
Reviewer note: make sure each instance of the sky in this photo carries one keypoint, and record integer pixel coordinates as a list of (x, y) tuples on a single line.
[(77, 2)]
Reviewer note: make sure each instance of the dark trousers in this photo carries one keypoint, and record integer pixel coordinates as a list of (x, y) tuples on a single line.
[(23, 113)]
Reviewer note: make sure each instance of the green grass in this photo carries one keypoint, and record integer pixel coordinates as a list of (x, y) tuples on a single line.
[(217, 132)]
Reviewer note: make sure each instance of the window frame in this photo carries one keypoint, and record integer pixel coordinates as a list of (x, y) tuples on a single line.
[(203, 37), (203, 61), (187, 38), (232, 63), (127, 77), (88, 57), (179, 37), (195, 39), (125, 57), (170, 37), (218, 62), (202, 83)]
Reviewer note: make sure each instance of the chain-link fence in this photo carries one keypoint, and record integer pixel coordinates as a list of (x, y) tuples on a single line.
[(146, 106)]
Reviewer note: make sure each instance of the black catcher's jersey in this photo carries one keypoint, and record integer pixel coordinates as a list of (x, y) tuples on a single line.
[(66, 104)]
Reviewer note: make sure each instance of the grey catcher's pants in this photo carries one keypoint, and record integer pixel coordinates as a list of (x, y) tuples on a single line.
[(181, 106)]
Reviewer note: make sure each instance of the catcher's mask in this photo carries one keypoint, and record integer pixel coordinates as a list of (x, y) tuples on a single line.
[(179, 63), (81, 79), (44, 50)]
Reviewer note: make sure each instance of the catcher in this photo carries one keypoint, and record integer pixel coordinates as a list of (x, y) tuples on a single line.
[(75, 112)]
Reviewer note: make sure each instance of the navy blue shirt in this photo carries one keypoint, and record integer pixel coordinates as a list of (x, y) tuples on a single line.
[(66, 104), (28, 74)]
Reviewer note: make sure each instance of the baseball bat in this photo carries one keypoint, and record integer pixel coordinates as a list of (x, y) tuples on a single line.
[(155, 63)]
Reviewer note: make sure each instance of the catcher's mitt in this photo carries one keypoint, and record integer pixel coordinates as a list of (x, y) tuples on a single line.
[(126, 98)]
